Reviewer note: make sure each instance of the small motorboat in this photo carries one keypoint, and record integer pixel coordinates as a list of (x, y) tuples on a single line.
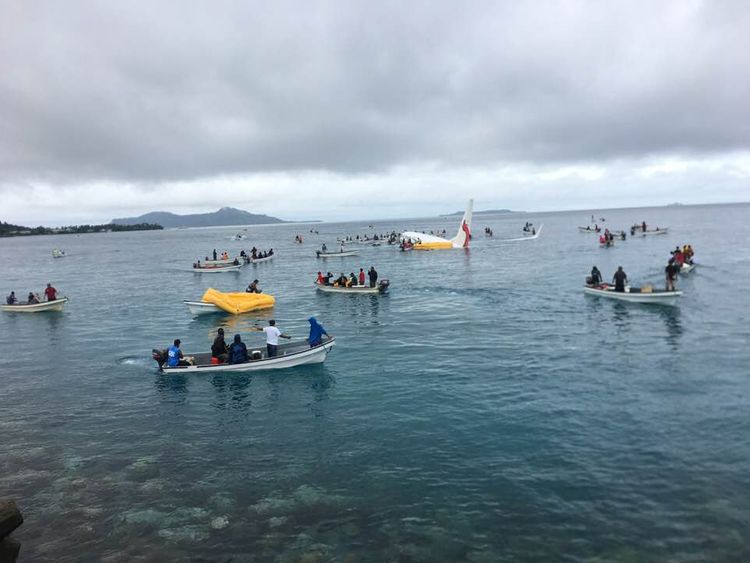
[(216, 269), (236, 303), (656, 231), (239, 236), (251, 260), (226, 262), (57, 253), (382, 287), (288, 356), (339, 254), (687, 268), (201, 307), (55, 305), (645, 294)]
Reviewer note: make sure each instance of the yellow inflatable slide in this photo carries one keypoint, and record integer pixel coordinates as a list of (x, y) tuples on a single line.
[(237, 303)]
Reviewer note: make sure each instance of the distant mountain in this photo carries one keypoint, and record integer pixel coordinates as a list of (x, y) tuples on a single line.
[(222, 217), (488, 212)]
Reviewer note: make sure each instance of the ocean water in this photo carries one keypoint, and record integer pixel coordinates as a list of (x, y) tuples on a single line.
[(484, 410)]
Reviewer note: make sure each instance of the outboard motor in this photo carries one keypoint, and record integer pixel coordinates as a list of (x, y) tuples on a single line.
[(160, 356)]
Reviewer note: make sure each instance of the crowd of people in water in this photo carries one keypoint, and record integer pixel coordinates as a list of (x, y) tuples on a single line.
[(352, 280), (50, 294)]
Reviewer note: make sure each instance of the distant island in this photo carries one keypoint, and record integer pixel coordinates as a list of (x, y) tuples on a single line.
[(9, 230), (487, 212), (223, 217)]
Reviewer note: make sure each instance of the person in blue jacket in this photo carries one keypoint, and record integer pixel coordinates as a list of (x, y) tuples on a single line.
[(237, 351), (316, 333), (174, 356)]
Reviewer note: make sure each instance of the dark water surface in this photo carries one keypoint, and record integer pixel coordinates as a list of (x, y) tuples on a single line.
[(484, 410)]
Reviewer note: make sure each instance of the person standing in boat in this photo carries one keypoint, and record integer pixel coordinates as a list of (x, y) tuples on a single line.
[(215, 255), (620, 279), (316, 333), (11, 299), (361, 276), (272, 337), (50, 292), (671, 274), (237, 351), (324, 248), (372, 274), (219, 348), (596, 277)]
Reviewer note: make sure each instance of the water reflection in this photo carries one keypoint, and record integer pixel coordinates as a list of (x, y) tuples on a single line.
[(172, 388), (673, 324), (233, 391)]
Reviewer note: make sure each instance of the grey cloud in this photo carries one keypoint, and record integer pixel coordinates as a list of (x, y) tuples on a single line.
[(159, 91)]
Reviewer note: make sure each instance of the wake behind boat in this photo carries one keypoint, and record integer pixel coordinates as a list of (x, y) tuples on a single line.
[(645, 294), (54, 305), (288, 356)]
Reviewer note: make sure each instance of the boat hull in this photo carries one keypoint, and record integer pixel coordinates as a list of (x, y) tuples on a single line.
[(656, 296), (289, 356), (56, 305), (354, 290), (337, 254), (217, 270), (201, 308)]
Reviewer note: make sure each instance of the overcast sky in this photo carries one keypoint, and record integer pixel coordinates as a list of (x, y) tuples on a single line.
[(349, 110)]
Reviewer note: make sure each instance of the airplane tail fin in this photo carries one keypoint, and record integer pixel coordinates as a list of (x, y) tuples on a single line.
[(464, 229)]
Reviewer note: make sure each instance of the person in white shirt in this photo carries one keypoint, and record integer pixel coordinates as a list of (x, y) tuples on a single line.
[(272, 337)]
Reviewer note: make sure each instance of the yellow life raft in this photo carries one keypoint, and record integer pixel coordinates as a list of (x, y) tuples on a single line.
[(237, 303)]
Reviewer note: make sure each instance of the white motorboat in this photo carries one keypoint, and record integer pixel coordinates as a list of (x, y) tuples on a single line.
[(216, 269), (656, 231), (57, 253), (645, 294), (339, 254), (382, 287), (226, 262), (55, 305), (687, 268), (289, 355), (251, 260), (201, 307)]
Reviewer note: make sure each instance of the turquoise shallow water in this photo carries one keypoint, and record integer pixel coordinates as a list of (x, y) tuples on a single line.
[(484, 410)]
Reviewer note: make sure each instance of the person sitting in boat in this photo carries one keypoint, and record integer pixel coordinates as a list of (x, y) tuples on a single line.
[(352, 281), (595, 278), (11, 299), (327, 278), (632, 231), (620, 279), (237, 351), (324, 248), (321, 280), (253, 287), (32, 299), (671, 274), (219, 348), (316, 333), (197, 264), (361, 276), (175, 357), (270, 252), (235, 262), (225, 255), (243, 254), (50, 292), (623, 236), (341, 280)]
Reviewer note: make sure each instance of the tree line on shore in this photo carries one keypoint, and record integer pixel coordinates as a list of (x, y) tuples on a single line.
[(9, 230)]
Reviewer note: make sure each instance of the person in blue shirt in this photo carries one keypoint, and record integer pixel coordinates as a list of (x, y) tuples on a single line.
[(174, 356), (237, 351), (316, 333)]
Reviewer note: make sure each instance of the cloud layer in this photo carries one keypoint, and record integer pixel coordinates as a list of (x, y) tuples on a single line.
[(136, 96)]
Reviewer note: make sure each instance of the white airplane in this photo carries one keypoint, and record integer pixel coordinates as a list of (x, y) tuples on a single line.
[(423, 241)]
